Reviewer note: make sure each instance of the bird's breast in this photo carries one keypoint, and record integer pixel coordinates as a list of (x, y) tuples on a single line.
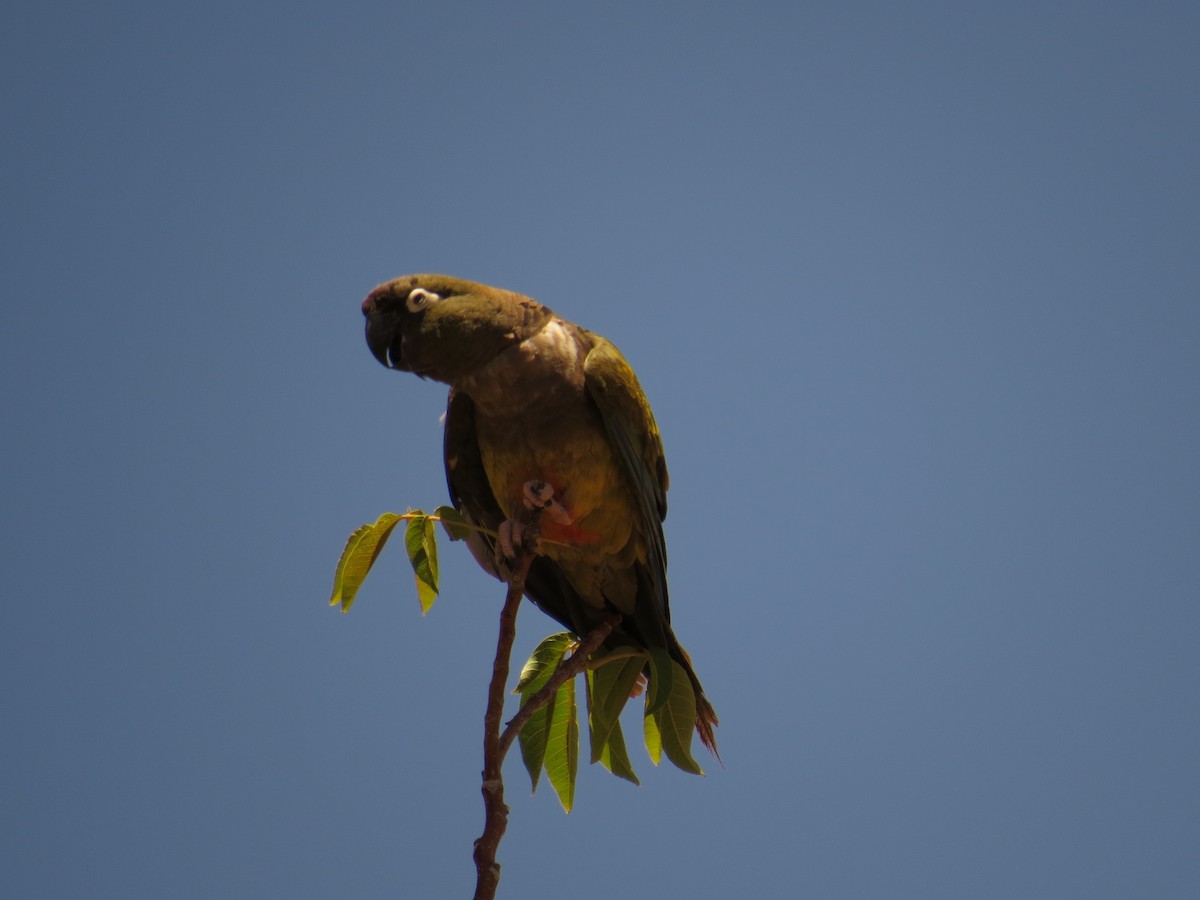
[(534, 421), (569, 451)]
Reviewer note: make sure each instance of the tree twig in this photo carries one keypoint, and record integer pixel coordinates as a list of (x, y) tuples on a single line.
[(487, 870), (496, 744)]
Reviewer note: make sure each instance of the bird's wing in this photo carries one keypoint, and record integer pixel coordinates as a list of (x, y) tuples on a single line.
[(614, 388), (466, 479)]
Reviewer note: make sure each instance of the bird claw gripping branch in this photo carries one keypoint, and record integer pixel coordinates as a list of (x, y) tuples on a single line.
[(540, 495)]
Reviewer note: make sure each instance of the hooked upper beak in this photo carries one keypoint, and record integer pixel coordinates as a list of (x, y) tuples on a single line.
[(382, 335)]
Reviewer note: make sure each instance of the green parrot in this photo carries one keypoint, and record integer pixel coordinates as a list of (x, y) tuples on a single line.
[(544, 414)]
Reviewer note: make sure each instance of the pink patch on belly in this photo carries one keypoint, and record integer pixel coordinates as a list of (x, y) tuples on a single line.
[(567, 534)]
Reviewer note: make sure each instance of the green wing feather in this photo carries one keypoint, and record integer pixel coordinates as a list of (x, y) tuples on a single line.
[(612, 385)]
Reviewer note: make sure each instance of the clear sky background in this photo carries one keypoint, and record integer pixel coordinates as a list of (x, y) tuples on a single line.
[(914, 290)]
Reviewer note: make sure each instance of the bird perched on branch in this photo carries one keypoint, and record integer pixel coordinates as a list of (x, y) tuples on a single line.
[(544, 414)]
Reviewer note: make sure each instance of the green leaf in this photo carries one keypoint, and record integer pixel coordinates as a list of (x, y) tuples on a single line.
[(542, 664), (675, 722), (420, 540), (532, 738), (550, 738), (652, 737), (609, 688), (562, 745), (615, 757), (455, 523), (661, 669), (361, 551), (610, 685)]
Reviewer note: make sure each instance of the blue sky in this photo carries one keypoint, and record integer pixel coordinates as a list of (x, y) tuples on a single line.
[(914, 290)]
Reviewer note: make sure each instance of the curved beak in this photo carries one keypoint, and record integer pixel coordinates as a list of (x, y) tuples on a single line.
[(381, 333)]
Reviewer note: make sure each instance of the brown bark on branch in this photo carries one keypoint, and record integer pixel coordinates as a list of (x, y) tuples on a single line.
[(495, 819), (487, 870), (495, 744)]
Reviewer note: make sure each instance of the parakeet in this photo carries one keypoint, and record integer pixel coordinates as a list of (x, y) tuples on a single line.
[(544, 413)]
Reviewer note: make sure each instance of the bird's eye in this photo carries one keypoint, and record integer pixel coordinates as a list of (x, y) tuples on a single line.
[(420, 299)]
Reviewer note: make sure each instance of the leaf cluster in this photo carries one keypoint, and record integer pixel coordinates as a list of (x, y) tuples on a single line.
[(549, 739), (420, 540)]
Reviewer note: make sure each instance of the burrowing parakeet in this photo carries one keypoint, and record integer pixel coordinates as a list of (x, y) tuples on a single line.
[(544, 413)]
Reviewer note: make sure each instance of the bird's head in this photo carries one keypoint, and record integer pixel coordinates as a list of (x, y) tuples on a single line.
[(446, 328)]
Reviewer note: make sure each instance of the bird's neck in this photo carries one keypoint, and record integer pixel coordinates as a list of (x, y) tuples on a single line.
[(543, 370)]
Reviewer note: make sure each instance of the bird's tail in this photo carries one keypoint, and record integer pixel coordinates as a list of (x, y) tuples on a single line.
[(706, 716), (706, 720)]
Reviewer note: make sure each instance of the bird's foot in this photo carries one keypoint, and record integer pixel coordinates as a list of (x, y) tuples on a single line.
[(510, 533), (510, 537), (540, 495)]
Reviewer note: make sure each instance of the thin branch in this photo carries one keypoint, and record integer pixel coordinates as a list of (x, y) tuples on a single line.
[(495, 744), (487, 870)]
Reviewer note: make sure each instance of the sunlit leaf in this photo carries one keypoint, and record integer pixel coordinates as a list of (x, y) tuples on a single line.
[(615, 757), (562, 745), (532, 737), (653, 738), (675, 721), (610, 685), (361, 551), (420, 540), (542, 664)]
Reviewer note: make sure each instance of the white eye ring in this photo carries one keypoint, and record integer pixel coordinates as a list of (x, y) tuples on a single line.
[(419, 299)]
